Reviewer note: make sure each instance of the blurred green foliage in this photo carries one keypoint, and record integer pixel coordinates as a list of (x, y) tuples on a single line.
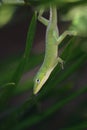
[(6, 13), (59, 89), (78, 16)]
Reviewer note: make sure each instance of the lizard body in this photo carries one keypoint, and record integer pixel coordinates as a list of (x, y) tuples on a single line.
[(51, 52)]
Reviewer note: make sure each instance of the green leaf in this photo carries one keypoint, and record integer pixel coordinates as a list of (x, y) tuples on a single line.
[(6, 13), (8, 91), (36, 118), (12, 2), (80, 126), (24, 60)]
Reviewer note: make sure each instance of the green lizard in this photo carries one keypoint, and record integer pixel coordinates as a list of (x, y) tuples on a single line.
[(51, 53)]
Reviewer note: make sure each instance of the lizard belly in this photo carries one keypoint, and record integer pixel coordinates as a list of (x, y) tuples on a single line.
[(50, 55)]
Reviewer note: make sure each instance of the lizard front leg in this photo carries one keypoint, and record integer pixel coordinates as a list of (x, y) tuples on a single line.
[(60, 39), (62, 36)]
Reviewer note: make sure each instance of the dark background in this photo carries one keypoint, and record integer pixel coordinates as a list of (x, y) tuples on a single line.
[(12, 42)]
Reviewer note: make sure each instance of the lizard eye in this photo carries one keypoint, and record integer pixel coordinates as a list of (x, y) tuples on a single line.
[(38, 80)]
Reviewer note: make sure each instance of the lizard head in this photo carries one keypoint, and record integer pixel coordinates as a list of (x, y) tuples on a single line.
[(40, 80)]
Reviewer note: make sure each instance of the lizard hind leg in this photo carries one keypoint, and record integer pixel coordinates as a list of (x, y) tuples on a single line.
[(59, 60), (41, 18)]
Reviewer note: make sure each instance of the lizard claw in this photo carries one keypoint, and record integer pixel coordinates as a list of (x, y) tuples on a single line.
[(61, 62)]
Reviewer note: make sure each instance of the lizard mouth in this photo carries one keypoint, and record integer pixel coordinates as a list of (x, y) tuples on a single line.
[(39, 85)]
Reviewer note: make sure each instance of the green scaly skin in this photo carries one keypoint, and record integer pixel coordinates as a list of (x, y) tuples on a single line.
[(51, 52)]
